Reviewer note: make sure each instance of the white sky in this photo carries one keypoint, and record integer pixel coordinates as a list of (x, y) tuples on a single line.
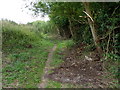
[(14, 10)]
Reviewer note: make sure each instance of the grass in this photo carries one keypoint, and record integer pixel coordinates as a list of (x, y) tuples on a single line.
[(26, 66), (54, 84), (24, 56), (111, 65), (23, 66), (61, 46), (25, 52)]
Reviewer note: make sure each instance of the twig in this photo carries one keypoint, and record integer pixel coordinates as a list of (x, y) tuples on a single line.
[(78, 21), (114, 10), (107, 49), (109, 33)]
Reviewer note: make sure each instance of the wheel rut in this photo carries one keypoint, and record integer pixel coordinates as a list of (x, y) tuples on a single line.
[(44, 80)]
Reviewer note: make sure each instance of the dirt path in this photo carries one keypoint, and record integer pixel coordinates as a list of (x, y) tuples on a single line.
[(47, 68), (80, 68)]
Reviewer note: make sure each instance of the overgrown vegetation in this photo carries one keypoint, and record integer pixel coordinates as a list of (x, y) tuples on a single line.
[(92, 25), (95, 24), (24, 55), (15, 35)]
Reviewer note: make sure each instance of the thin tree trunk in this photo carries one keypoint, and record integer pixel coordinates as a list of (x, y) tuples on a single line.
[(107, 49), (58, 31), (70, 28), (92, 26), (64, 35)]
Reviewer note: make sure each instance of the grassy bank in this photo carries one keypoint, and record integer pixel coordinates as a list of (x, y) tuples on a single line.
[(24, 56)]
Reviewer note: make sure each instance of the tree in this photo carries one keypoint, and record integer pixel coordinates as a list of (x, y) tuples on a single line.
[(102, 18), (92, 26)]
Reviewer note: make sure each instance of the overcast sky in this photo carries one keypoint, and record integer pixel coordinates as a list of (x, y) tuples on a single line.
[(14, 10)]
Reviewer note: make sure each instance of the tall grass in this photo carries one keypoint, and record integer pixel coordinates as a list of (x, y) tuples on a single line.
[(24, 55), (14, 35)]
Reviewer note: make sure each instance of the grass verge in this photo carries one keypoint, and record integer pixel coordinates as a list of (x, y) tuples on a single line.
[(23, 67)]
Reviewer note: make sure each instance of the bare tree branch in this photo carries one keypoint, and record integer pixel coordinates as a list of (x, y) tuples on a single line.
[(89, 16), (109, 33), (79, 21)]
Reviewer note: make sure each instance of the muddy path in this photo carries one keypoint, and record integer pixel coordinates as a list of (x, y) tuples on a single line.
[(80, 68), (44, 80)]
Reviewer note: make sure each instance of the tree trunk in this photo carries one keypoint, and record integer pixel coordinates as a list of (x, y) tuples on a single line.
[(92, 26), (58, 32), (70, 27), (64, 35)]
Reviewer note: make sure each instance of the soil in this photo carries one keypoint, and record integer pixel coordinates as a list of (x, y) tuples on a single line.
[(80, 67)]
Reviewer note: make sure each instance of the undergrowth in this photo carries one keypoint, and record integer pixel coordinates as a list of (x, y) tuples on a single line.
[(112, 66), (24, 56), (25, 52)]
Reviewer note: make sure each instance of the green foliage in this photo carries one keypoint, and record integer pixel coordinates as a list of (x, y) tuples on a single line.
[(107, 20), (17, 35), (112, 65), (82, 35), (20, 62), (60, 13), (30, 61), (66, 44), (113, 57), (57, 58), (44, 27), (105, 15), (53, 84), (24, 61)]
